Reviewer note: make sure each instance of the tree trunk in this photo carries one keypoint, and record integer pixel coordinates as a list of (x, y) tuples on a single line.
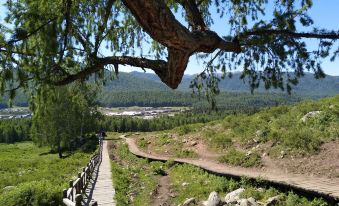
[(59, 151)]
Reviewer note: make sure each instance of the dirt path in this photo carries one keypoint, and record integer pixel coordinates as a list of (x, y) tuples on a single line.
[(161, 196), (325, 186)]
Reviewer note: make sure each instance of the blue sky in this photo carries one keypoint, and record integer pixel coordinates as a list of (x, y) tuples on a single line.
[(325, 14)]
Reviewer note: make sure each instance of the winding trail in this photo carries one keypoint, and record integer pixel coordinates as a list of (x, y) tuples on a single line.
[(103, 191), (327, 188)]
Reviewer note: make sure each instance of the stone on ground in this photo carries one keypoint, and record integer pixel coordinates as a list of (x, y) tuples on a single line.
[(310, 115), (247, 202), (272, 201), (233, 196), (213, 199), (189, 201)]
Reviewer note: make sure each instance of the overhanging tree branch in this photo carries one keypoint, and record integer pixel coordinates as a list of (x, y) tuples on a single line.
[(98, 64), (325, 35), (160, 23), (193, 14)]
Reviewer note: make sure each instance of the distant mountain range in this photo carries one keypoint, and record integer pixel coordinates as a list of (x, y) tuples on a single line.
[(135, 82), (309, 86)]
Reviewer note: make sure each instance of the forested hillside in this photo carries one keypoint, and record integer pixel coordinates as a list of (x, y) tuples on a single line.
[(226, 100), (328, 86), (146, 89)]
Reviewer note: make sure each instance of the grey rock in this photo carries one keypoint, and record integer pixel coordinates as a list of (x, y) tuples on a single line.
[(259, 133), (185, 184), (282, 154), (8, 188), (213, 199), (310, 115), (189, 201), (233, 196), (252, 201), (272, 201), (247, 202)]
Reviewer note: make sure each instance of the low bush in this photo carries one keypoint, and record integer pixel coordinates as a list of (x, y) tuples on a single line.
[(186, 154), (239, 158), (36, 176), (220, 141), (33, 193), (142, 143)]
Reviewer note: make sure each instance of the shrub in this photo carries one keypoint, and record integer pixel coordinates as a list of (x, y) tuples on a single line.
[(302, 139), (240, 158), (33, 193), (261, 195), (294, 200), (220, 141), (159, 171), (90, 144), (186, 154), (142, 143), (188, 128), (184, 130), (251, 192), (170, 163), (163, 140)]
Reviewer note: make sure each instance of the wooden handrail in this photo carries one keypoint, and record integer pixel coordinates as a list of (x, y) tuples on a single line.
[(72, 196)]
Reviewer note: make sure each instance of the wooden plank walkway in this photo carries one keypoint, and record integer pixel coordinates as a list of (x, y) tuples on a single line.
[(103, 191), (328, 188)]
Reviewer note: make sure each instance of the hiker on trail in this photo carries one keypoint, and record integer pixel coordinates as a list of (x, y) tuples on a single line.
[(99, 136), (102, 134)]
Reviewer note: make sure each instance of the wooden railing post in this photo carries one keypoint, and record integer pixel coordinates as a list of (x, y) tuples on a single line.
[(84, 179), (64, 193), (73, 195), (71, 186), (78, 199), (93, 203), (78, 187)]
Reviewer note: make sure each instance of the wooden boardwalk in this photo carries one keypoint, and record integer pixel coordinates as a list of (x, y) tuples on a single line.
[(103, 191), (328, 188)]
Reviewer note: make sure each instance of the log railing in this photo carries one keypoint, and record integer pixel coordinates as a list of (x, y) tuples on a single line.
[(73, 195)]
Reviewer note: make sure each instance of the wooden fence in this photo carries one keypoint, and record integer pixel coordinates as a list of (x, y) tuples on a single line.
[(73, 195)]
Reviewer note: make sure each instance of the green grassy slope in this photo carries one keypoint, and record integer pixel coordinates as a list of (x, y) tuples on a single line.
[(32, 176), (275, 130)]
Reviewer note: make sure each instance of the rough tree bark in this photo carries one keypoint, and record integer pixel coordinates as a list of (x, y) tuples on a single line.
[(159, 22)]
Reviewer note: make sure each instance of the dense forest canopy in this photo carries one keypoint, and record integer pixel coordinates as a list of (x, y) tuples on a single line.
[(58, 42)]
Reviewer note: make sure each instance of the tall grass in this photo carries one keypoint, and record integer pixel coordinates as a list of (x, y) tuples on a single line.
[(283, 126), (30, 175)]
